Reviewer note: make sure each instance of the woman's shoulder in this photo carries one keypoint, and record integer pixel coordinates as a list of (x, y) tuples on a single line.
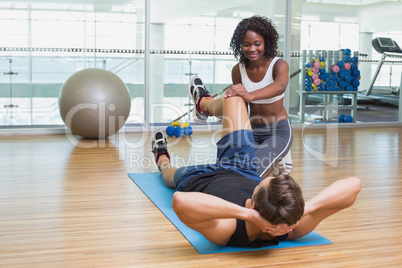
[(278, 62), (236, 67), (280, 66)]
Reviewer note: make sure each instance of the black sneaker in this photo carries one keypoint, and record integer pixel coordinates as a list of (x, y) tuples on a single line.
[(159, 146), (197, 91)]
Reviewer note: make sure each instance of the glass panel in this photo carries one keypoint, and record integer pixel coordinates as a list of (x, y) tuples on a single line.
[(46, 43), (13, 28), (15, 98), (196, 42), (324, 30), (15, 101)]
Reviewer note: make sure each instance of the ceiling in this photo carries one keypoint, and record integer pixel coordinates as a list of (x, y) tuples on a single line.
[(349, 2), (373, 12), (194, 3)]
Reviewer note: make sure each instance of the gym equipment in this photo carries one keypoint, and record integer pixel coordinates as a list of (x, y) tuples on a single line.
[(385, 44), (188, 131), (338, 80), (341, 118), (178, 129), (161, 196), (170, 131), (94, 103), (388, 48), (177, 124), (348, 119), (345, 118)]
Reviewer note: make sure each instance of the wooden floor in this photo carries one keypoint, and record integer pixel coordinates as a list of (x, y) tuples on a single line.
[(69, 203)]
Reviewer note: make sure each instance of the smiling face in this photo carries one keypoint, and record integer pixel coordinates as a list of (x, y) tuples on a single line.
[(253, 46)]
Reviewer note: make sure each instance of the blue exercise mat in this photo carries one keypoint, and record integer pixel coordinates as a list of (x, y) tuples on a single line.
[(153, 186)]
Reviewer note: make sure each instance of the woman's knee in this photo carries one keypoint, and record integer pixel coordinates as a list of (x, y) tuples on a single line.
[(235, 101)]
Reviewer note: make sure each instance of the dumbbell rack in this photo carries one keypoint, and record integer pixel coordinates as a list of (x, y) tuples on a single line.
[(326, 108)]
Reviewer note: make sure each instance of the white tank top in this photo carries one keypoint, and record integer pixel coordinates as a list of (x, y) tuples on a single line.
[(251, 86)]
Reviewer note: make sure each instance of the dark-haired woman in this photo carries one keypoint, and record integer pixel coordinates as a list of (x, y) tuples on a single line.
[(261, 78)]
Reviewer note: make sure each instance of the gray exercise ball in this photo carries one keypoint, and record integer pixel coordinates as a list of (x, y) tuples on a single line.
[(94, 103)]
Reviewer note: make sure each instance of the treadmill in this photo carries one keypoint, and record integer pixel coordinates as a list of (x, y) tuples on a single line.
[(388, 48)]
